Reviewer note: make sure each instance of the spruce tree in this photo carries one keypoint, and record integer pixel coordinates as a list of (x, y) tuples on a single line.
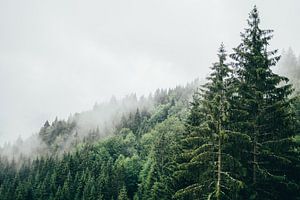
[(265, 114), (208, 169)]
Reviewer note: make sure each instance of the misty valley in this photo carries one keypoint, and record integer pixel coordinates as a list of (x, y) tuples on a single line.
[(234, 135)]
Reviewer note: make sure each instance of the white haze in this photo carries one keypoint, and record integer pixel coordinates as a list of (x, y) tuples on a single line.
[(60, 57), (103, 118), (289, 66)]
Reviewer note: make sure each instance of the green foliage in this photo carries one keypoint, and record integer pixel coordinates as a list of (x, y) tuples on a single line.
[(157, 173), (266, 115), (56, 135), (123, 194), (238, 139), (208, 168), (111, 168)]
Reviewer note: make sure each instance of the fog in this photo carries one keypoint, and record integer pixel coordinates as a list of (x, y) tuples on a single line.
[(100, 122), (60, 57)]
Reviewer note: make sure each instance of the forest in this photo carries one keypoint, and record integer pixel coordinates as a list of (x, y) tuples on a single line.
[(234, 136)]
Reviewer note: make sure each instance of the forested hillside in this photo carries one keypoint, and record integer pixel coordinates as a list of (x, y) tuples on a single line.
[(102, 121), (234, 137), (97, 168)]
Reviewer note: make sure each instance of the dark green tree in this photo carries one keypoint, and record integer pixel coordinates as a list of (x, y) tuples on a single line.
[(266, 115), (209, 168)]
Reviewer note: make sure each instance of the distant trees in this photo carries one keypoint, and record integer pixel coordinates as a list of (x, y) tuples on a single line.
[(59, 128), (238, 139), (141, 155), (289, 66), (157, 173), (109, 169)]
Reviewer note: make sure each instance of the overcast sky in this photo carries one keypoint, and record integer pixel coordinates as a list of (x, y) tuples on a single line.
[(61, 56)]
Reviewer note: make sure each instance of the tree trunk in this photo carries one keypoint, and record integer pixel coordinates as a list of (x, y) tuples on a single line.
[(218, 192), (254, 157)]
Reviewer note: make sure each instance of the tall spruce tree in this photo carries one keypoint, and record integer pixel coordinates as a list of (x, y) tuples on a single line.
[(208, 169), (265, 115)]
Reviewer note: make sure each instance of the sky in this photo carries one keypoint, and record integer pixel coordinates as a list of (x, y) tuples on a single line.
[(60, 57)]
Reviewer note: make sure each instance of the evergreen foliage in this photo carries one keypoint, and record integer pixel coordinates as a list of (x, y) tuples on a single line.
[(237, 139), (268, 118)]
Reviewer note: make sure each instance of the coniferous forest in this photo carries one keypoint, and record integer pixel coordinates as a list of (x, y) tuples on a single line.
[(236, 136)]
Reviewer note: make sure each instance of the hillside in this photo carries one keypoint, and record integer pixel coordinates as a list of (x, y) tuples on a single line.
[(114, 160), (236, 136)]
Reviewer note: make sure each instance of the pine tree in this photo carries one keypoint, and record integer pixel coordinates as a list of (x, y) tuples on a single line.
[(156, 176), (262, 98), (67, 190), (209, 170)]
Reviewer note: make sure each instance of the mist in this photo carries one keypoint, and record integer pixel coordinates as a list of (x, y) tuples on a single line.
[(58, 58), (289, 66), (103, 120)]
